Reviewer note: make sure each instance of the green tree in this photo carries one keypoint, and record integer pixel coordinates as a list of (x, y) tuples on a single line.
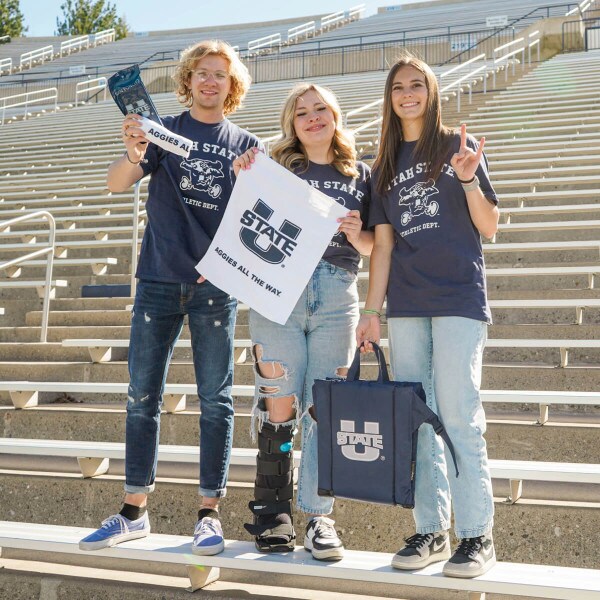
[(11, 19), (88, 16)]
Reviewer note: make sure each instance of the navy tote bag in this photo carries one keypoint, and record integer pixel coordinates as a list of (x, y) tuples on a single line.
[(367, 434)]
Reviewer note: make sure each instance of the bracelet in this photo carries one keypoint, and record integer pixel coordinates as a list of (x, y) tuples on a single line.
[(472, 185), (466, 182), (367, 311), (133, 163)]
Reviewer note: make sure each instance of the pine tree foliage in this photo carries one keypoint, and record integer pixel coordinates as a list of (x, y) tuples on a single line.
[(89, 16)]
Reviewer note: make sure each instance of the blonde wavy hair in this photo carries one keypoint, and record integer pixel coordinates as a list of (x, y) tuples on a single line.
[(238, 73), (290, 153)]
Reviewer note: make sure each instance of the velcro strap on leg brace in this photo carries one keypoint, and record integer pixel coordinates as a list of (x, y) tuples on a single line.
[(270, 508), (269, 445), (276, 467), (274, 494)]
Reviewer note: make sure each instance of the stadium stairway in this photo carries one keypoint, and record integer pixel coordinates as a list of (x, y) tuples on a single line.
[(544, 162)]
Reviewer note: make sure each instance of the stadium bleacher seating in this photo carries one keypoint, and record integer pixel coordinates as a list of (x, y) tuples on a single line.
[(540, 380)]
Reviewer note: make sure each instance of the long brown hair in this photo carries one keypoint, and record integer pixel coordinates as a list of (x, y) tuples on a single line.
[(290, 153), (434, 143)]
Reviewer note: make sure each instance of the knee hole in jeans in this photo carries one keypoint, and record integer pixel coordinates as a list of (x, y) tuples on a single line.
[(281, 408), (267, 369)]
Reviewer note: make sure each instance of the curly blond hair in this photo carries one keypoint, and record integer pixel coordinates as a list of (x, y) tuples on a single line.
[(240, 78), (290, 153)]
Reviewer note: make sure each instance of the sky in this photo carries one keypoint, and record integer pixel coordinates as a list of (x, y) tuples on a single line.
[(151, 15)]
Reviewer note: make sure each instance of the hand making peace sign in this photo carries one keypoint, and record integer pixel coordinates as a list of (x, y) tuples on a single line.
[(466, 160)]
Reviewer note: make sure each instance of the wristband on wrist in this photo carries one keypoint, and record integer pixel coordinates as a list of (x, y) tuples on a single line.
[(131, 161), (367, 311), (465, 182), (471, 185)]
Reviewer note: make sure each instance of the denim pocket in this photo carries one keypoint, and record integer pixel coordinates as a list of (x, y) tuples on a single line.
[(345, 275)]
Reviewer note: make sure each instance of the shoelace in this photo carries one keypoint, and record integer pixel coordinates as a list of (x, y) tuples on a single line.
[(418, 540), (470, 546), (115, 519), (325, 530), (207, 525)]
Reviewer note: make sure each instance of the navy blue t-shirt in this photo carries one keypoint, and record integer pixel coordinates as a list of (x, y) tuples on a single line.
[(354, 194), (187, 196), (437, 262)]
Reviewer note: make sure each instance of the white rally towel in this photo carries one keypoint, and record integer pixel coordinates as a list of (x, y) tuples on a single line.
[(161, 136), (274, 232)]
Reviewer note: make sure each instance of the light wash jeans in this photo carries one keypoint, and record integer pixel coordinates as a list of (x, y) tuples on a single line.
[(445, 354), (156, 323), (316, 341)]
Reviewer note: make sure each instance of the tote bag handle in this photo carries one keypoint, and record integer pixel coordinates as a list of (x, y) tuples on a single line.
[(354, 370)]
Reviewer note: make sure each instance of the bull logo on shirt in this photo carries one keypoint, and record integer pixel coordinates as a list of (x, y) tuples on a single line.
[(416, 199), (269, 243), (201, 176)]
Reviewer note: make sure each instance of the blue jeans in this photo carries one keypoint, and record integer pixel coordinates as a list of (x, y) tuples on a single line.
[(316, 341), (156, 323), (445, 354)]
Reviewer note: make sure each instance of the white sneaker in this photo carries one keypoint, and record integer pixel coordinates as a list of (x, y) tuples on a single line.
[(208, 537), (322, 540)]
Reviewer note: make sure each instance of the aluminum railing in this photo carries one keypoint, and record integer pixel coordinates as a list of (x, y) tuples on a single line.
[(581, 8), (48, 251), (45, 53), (265, 42), (329, 20), (300, 31), (268, 141), (103, 37), (363, 108), (84, 87), (75, 43), (356, 12), (466, 79), (6, 64), (136, 232), (533, 39), (505, 59), (29, 99)]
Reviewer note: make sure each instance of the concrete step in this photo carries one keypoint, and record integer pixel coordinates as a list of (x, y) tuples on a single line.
[(529, 531)]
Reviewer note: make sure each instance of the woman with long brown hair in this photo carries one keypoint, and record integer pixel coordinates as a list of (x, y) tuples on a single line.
[(431, 204)]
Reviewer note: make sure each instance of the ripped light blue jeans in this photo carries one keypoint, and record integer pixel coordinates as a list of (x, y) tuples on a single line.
[(445, 354), (156, 323), (315, 343)]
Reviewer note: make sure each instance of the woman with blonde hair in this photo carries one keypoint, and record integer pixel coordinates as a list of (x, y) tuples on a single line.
[(317, 340), (432, 202)]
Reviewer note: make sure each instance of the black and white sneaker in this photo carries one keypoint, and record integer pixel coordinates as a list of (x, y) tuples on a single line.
[(322, 540), (473, 557), (421, 550)]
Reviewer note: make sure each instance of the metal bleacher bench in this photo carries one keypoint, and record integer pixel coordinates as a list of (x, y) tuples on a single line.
[(94, 457), (25, 394), (561, 583), (101, 349)]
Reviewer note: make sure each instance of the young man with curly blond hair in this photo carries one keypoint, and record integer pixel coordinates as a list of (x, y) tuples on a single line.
[(187, 198)]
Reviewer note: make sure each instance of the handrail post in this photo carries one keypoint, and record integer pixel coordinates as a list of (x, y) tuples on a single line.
[(49, 268), (48, 251), (134, 241)]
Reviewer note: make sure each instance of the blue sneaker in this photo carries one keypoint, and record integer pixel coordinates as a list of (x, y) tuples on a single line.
[(208, 537), (114, 530)]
